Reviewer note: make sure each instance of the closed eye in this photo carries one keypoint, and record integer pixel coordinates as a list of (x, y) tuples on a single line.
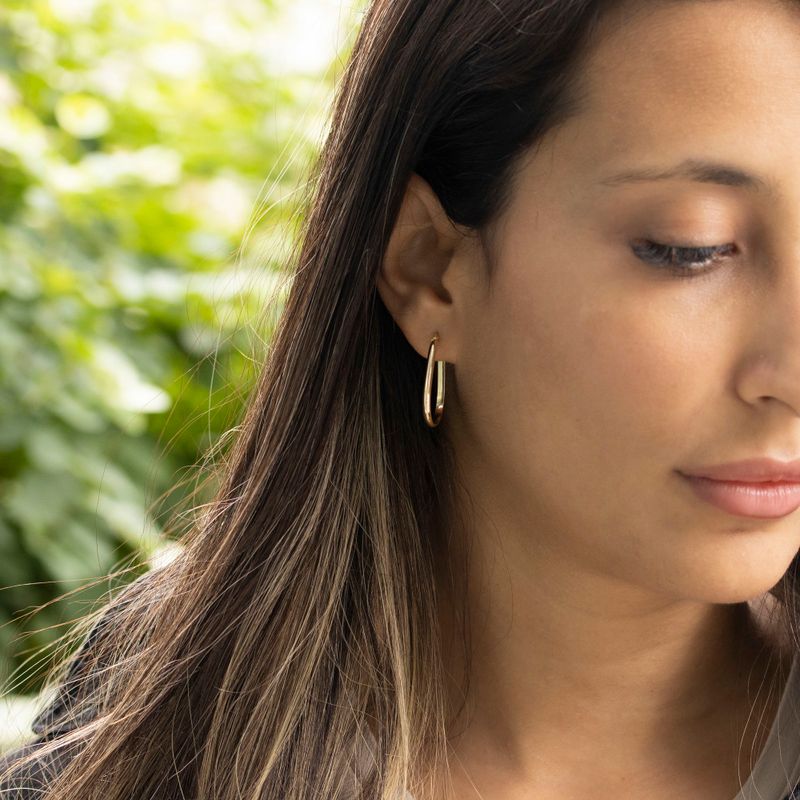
[(679, 258)]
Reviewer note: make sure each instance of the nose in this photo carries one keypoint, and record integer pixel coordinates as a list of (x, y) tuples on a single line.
[(774, 373)]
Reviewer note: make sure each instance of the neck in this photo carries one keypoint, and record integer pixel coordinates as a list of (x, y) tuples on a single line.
[(682, 694)]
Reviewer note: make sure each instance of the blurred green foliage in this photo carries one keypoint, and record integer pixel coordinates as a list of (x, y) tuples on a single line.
[(150, 158)]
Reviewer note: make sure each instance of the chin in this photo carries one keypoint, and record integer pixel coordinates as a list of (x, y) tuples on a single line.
[(750, 588), (724, 564)]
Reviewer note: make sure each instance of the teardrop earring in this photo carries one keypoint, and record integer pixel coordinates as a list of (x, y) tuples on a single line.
[(426, 395)]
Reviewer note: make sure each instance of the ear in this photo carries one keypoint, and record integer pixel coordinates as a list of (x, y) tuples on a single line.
[(420, 277)]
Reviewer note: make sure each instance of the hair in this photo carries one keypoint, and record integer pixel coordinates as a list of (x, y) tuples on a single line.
[(301, 619)]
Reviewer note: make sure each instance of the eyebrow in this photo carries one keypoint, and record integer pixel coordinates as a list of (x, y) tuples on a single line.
[(695, 169)]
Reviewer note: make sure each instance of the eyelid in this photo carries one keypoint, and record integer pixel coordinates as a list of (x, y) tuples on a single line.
[(685, 242), (678, 239)]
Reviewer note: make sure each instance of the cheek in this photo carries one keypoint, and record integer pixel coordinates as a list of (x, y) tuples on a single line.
[(590, 381), (629, 363), (654, 366), (637, 385), (596, 365)]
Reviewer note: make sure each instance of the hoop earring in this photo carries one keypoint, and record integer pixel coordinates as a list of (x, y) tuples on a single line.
[(426, 394)]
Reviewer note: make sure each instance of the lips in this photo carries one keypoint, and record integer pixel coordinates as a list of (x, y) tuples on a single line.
[(765, 499), (753, 470), (760, 487)]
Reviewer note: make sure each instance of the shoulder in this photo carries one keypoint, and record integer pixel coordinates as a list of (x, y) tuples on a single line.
[(794, 794), (24, 778)]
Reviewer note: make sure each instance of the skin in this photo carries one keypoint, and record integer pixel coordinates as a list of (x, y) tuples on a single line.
[(614, 650)]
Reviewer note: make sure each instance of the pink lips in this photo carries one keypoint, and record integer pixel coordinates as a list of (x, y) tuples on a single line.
[(760, 487)]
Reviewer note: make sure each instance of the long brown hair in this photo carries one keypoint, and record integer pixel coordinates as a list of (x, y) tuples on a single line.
[(300, 621)]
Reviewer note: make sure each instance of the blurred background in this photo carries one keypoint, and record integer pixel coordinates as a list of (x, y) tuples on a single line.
[(152, 156)]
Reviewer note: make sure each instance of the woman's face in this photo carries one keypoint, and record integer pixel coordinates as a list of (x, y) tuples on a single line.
[(588, 372)]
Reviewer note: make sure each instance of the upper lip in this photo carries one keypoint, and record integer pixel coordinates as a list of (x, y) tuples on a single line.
[(754, 470)]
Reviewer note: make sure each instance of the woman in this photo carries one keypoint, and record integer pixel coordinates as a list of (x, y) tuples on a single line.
[(539, 582)]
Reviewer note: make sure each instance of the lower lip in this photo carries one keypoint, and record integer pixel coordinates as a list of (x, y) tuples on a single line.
[(748, 499)]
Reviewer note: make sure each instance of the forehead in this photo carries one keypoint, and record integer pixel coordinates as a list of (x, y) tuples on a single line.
[(681, 79), (703, 42)]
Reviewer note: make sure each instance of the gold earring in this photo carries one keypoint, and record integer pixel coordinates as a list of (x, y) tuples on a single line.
[(426, 395)]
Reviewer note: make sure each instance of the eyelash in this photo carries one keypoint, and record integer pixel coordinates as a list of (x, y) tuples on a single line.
[(698, 261)]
